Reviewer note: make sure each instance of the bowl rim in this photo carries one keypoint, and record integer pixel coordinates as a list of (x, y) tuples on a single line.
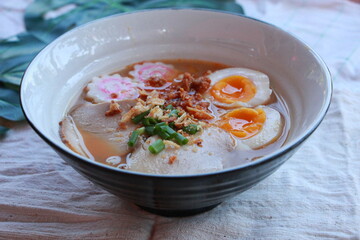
[(261, 161)]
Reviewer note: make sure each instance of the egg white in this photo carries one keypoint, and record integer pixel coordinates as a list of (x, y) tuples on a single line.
[(270, 131), (259, 79)]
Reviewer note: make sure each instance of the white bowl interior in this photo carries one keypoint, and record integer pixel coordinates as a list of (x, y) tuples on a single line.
[(57, 75)]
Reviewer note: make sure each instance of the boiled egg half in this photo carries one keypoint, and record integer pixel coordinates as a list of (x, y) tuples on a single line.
[(239, 87), (253, 127)]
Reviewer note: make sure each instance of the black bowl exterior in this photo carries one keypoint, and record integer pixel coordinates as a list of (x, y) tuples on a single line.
[(176, 196)]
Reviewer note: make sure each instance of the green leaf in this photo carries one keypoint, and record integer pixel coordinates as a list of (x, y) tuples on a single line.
[(10, 111), (225, 5), (9, 95), (21, 44), (3, 130), (83, 11), (15, 55)]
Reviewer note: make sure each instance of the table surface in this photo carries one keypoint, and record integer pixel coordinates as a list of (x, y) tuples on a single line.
[(314, 195)]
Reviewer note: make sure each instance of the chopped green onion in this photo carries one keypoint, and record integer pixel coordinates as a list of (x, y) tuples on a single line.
[(140, 117), (168, 130), (191, 129), (158, 125), (150, 130), (160, 132), (133, 139), (172, 125), (149, 121), (163, 135), (157, 146), (169, 107), (140, 130), (174, 113), (135, 135), (180, 139)]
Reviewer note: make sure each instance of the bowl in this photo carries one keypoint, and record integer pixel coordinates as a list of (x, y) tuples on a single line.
[(59, 72)]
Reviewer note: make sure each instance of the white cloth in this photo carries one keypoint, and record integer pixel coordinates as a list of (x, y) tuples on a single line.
[(314, 195)]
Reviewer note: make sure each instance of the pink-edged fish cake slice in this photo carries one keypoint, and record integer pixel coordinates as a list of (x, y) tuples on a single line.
[(111, 87), (142, 73)]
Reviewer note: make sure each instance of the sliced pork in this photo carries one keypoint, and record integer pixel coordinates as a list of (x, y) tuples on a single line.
[(95, 120), (205, 153)]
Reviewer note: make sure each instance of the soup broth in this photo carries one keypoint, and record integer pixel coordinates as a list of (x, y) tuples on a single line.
[(232, 116)]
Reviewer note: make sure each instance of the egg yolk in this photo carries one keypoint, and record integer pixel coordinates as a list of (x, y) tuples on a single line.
[(232, 89), (243, 122)]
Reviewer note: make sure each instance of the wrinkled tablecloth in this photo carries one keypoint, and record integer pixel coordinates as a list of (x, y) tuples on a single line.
[(314, 195)]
